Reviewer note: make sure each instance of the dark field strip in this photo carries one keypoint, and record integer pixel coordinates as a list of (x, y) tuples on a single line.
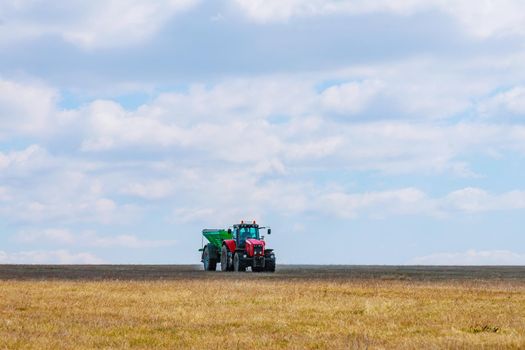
[(284, 272)]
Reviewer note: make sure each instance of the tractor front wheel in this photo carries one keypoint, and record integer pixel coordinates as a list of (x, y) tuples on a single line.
[(238, 266), (270, 266)]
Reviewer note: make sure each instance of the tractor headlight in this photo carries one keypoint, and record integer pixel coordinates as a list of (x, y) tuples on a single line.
[(244, 256)]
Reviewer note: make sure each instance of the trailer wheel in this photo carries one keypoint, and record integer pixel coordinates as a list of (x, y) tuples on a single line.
[(238, 266), (226, 264), (210, 264)]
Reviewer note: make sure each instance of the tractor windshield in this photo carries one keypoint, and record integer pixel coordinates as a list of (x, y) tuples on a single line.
[(248, 232)]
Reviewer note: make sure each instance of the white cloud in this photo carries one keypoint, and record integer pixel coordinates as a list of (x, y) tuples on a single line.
[(32, 208), (4, 194), (49, 257), (412, 201), (242, 109), (264, 10), (376, 204), (29, 108), (235, 98), (243, 130), (419, 88), (480, 19), (25, 108), (474, 200), (487, 18), (61, 236), (110, 126), (72, 193), (510, 101), (43, 187), (89, 24), (239, 110), (215, 199), (151, 189), (403, 147), (196, 214), (232, 194), (350, 97), (87, 239), (472, 257), (259, 135), (32, 158), (127, 241)]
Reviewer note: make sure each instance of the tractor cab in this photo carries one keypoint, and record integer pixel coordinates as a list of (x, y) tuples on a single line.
[(242, 232)]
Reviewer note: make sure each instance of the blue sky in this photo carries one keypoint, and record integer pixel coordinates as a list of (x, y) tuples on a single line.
[(362, 132)]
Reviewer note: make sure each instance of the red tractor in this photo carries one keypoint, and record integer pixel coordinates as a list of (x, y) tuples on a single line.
[(237, 248)]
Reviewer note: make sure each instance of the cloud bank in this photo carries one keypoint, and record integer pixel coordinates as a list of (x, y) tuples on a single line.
[(129, 125)]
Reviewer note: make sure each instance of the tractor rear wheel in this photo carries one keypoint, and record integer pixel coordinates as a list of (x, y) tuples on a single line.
[(238, 266), (226, 264), (210, 264)]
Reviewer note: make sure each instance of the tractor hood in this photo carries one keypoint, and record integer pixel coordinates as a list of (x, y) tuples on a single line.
[(253, 241), (251, 245)]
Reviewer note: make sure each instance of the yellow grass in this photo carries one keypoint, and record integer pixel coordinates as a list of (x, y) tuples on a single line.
[(252, 313)]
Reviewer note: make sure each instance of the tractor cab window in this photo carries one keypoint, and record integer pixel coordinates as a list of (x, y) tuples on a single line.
[(248, 232)]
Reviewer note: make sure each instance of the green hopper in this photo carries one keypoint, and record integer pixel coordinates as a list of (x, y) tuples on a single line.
[(216, 236)]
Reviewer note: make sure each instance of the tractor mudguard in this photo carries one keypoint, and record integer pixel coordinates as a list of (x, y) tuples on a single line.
[(230, 244)]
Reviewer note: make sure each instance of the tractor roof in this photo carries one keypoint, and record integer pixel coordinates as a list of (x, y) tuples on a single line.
[(245, 225)]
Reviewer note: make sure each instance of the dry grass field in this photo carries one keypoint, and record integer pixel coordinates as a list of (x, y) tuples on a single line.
[(296, 309)]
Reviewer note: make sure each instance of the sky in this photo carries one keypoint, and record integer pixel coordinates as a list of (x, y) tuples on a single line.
[(360, 131)]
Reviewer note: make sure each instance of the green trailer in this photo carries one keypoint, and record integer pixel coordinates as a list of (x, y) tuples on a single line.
[(211, 252)]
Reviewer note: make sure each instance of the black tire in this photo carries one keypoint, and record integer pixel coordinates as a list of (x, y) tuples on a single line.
[(226, 264), (269, 265), (210, 264), (238, 266)]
